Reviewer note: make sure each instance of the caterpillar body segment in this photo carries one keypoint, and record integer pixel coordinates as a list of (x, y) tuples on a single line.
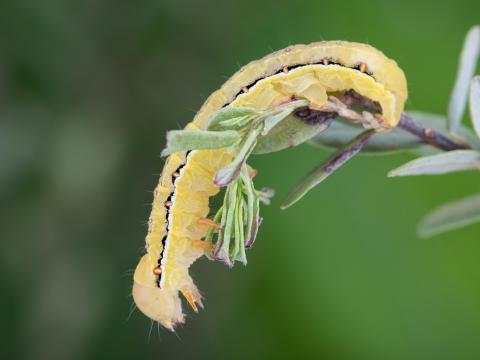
[(345, 60), (174, 230), (178, 221)]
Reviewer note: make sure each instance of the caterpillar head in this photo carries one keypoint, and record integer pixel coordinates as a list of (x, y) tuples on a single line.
[(160, 305)]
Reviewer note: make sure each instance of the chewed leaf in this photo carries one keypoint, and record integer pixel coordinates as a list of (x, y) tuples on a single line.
[(466, 69), (475, 103), (229, 173), (231, 118), (317, 175), (451, 216), (280, 113), (457, 160), (182, 140)]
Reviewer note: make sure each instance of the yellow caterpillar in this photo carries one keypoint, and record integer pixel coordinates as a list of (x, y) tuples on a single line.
[(178, 221)]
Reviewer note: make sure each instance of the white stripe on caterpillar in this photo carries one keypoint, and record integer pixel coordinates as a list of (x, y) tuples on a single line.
[(164, 254)]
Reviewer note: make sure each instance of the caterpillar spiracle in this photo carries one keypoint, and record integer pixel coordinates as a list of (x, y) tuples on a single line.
[(179, 218)]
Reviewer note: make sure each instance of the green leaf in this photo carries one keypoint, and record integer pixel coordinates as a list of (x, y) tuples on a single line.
[(228, 224), (252, 209), (397, 140), (451, 216), (239, 219), (466, 69), (229, 173), (279, 113), (340, 133), (290, 132), (320, 173), (475, 103), (238, 252), (182, 140), (452, 161), (231, 118)]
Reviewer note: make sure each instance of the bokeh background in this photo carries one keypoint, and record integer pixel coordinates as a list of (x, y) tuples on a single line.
[(87, 92)]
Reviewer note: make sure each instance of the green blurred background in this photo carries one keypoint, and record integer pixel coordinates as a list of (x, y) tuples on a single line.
[(87, 92)]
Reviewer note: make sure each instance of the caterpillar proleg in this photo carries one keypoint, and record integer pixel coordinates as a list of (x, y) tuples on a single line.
[(179, 223)]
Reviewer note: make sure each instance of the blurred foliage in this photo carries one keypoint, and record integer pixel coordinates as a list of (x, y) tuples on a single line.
[(87, 92)]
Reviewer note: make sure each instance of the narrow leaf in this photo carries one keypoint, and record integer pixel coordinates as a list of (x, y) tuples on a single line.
[(280, 113), (466, 69), (475, 103), (229, 173), (317, 175), (239, 250), (252, 209), (290, 132), (339, 134), (451, 216), (228, 226), (231, 118), (256, 222), (182, 140), (457, 160), (236, 227), (396, 140)]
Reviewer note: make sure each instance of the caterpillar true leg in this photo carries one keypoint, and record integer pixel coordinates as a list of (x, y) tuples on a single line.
[(192, 295), (210, 223), (201, 244)]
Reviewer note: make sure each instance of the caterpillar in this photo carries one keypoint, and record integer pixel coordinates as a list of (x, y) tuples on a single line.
[(179, 218)]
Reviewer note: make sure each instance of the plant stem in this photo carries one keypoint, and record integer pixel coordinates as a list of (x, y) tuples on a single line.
[(407, 123), (428, 135)]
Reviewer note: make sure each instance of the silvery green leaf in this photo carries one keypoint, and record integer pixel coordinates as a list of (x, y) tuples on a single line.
[(320, 173), (466, 69), (451, 216), (231, 118), (250, 192), (222, 252), (475, 103), (182, 140), (397, 140), (341, 133), (229, 173), (256, 221), (280, 113), (252, 209), (290, 132), (452, 161), (239, 251), (238, 220)]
